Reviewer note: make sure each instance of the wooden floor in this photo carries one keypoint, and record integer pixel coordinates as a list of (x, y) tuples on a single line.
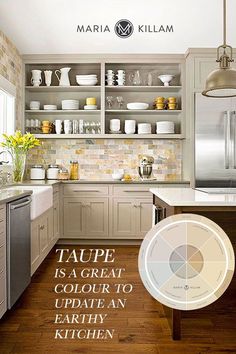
[(139, 328)]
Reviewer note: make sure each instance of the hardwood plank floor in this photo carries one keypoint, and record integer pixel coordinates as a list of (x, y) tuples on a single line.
[(139, 328)]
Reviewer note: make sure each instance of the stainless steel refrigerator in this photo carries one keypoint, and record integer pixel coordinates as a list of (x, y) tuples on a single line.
[(215, 144)]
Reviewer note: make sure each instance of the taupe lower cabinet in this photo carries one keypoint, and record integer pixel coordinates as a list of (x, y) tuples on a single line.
[(106, 211), (45, 232), (131, 217), (3, 277), (85, 211)]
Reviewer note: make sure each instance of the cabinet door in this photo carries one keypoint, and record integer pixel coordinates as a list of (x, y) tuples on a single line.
[(96, 217), (143, 217), (44, 233), (50, 224), (74, 218), (123, 218), (35, 246), (56, 220)]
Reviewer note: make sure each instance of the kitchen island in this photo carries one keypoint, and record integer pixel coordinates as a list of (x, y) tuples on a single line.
[(220, 208)]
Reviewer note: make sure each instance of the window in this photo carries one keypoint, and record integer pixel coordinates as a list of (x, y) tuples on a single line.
[(7, 110)]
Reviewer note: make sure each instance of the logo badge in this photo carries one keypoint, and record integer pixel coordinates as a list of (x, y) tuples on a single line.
[(124, 28)]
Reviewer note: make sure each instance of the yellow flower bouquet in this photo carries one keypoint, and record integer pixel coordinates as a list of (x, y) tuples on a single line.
[(18, 145)]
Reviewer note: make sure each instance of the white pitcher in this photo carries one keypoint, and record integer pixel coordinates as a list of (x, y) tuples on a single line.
[(64, 78)]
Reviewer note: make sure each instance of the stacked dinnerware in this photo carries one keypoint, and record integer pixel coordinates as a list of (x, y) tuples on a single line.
[(87, 80), (34, 105), (91, 103), (144, 128), (165, 127), (115, 126), (110, 78), (130, 126), (70, 104), (49, 107), (120, 77)]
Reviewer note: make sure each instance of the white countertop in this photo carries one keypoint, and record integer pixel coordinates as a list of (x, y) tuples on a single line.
[(192, 197)]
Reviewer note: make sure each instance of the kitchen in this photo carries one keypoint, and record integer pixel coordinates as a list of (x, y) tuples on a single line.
[(121, 145)]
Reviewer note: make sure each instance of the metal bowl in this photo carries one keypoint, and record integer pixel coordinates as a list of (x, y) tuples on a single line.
[(145, 171)]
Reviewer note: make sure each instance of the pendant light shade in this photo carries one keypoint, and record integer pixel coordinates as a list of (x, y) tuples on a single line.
[(221, 82)]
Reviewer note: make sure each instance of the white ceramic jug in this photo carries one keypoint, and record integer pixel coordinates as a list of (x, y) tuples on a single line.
[(36, 79), (64, 78)]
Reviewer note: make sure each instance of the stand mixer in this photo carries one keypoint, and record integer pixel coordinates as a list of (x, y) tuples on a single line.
[(145, 167)]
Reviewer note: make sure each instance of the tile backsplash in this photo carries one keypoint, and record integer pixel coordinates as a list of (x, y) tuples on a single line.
[(99, 157), (11, 68)]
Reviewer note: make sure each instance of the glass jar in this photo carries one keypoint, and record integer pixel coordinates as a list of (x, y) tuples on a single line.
[(74, 170), (63, 174)]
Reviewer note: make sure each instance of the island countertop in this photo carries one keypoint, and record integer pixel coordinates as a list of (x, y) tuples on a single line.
[(192, 197)]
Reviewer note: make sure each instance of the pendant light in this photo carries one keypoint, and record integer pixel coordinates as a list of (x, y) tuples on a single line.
[(221, 82)]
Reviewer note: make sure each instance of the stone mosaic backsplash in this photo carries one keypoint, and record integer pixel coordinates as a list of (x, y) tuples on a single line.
[(98, 158), (11, 68)]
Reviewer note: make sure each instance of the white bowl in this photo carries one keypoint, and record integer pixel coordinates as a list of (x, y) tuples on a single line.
[(118, 175), (137, 105), (90, 106), (70, 104), (89, 82), (166, 79)]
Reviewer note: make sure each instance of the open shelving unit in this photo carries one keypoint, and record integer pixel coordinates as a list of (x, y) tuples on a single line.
[(82, 64)]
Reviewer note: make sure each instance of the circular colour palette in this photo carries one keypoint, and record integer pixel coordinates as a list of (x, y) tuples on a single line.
[(186, 261)]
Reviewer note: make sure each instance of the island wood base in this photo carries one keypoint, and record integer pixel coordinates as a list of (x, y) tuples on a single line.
[(224, 216)]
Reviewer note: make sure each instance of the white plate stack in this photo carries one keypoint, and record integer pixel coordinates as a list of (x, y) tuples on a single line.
[(87, 80), (165, 127), (50, 107), (110, 78), (144, 128), (70, 104)]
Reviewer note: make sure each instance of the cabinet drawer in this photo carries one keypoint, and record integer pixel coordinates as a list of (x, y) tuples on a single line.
[(2, 212), (2, 259), (133, 191), (85, 190)]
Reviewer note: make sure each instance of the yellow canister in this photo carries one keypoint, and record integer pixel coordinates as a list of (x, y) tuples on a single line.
[(91, 101)]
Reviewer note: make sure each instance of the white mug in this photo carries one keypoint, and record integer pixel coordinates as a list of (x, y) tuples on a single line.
[(58, 126), (121, 71), (67, 126), (48, 77), (110, 72)]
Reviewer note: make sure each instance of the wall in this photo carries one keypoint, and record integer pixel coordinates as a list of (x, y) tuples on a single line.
[(98, 158), (11, 68)]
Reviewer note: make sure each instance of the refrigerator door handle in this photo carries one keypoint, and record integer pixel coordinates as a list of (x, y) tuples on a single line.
[(227, 115), (233, 115)]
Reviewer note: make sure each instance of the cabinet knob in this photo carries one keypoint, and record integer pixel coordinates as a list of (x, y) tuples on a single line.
[(41, 227)]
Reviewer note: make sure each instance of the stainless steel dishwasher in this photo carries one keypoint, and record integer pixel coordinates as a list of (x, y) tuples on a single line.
[(18, 248)]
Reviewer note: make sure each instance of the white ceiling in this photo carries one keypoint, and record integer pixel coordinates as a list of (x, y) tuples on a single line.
[(49, 26)]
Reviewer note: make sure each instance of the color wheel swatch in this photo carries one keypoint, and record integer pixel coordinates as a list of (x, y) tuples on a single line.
[(186, 261)]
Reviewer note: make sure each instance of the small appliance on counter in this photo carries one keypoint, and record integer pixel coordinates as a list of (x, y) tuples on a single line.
[(52, 171), (145, 167), (37, 172)]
